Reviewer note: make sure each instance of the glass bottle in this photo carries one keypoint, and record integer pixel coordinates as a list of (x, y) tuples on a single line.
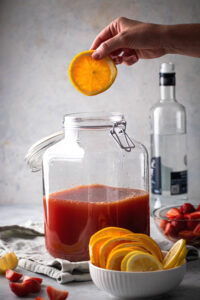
[(168, 144), (94, 176)]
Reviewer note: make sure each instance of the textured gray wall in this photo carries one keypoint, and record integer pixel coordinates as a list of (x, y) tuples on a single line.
[(38, 39)]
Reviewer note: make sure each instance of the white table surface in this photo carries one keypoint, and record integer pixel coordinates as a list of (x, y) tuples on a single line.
[(189, 289)]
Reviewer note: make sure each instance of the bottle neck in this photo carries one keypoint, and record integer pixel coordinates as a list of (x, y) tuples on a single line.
[(167, 93)]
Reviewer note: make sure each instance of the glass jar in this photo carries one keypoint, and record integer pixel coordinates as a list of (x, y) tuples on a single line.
[(96, 176)]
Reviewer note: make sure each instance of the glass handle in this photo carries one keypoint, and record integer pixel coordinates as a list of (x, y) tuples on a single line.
[(35, 153)]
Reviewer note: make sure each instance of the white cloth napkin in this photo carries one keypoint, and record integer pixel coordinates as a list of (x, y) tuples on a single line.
[(27, 241)]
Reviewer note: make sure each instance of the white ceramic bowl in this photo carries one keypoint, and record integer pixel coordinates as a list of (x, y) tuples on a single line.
[(136, 284)]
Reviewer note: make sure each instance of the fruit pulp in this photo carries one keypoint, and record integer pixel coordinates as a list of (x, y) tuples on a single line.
[(73, 215)]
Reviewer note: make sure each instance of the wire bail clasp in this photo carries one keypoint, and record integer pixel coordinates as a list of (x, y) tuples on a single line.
[(118, 129)]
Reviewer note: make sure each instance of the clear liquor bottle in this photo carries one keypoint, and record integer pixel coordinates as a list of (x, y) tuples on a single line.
[(168, 144)]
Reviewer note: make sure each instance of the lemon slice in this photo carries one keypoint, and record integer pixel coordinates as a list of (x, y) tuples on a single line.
[(8, 261), (141, 262), (126, 258), (174, 255), (90, 76), (181, 259), (3, 265)]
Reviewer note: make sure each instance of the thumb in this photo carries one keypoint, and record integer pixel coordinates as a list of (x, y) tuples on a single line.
[(107, 47)]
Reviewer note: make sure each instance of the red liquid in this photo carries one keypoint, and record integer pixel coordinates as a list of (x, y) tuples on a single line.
[(73, 215)]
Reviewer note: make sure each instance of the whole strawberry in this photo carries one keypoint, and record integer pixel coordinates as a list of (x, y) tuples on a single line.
[(186, 208)]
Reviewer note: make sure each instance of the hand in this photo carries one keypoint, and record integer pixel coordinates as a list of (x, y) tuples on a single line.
[(126, 41)]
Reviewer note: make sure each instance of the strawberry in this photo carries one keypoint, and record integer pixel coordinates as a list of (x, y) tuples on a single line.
[(178, 224), (191, 224), (186, 216), (198, 208), (32, 286), (18, 289), (40, 298), (170, 230), (195, 215), (12, 275), (196, 230), (55, 294), (163, 223), (174, 213), (32, 278), (188, 235), (192, 219), (186, 208)]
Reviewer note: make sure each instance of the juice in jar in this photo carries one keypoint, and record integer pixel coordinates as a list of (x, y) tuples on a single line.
[(73, 215)]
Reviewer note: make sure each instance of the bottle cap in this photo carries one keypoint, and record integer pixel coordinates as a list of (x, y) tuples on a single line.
[(167, 68), (167, 74)]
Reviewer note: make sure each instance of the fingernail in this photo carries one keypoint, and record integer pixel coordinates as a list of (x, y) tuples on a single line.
[(96, 55)]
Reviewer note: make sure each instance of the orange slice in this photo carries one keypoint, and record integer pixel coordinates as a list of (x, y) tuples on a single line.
[(109, 245), (151, 243), (109, 232), (94, 249), (132, 246), (89, 76), (115, 258)]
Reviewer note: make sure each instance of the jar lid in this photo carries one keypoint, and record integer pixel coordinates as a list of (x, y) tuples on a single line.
[(92, 120), (85, 120)]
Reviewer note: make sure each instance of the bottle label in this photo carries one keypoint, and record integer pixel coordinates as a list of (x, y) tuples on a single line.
[(156, 186), (178, 183)]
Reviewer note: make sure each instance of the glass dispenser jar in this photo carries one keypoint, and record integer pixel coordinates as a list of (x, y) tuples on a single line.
[(96, 176)]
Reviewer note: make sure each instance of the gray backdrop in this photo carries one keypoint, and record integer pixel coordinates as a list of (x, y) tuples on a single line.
[(38, 39)]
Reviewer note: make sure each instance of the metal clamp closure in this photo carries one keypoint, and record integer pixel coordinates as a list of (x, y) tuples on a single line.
[(116, 131)]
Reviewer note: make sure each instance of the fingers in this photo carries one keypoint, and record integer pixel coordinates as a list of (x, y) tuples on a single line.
[(129, 57), (118, 60), (104, 35), (129, 61), (107, 47)]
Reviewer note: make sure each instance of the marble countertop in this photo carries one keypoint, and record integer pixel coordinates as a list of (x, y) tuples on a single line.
[(189, 289)]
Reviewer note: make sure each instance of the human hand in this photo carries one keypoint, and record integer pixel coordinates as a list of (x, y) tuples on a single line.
[(126, 41)]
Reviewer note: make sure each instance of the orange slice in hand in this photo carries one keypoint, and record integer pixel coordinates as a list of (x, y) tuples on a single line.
[(89, 76)]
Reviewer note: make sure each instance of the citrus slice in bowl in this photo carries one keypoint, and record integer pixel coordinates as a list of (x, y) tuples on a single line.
[(89, 76), (139, 261), (131, 245), (109, 232), (106, 248), (115, 258), (94, 249), (175, 255), (149, 242)]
